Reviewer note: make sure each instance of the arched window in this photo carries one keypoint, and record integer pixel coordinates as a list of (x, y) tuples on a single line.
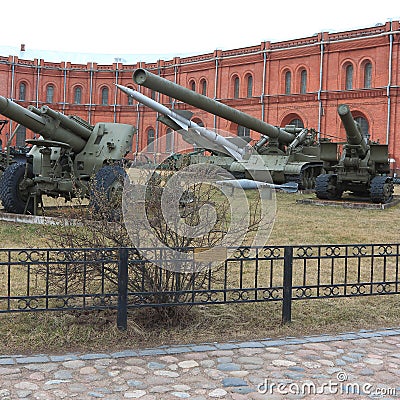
[(288, 82), (349, 77), (104, 96), (49, 94), (243, 131), (198, 121), (203, 87), (303, 81), (250, 86), (297, 122), (22, 91), (367, 75), (130, 101), (150, 140), (236, 87), (364, 126), (78, 95), (153, 94), (20, 136), (169, 140), (192, 85)]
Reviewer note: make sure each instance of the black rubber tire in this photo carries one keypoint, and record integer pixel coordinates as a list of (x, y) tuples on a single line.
[(325, 187), (12, 199), (381, 189), (103, 188)]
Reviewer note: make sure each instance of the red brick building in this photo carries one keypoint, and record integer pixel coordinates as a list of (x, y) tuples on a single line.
[(300, 81)]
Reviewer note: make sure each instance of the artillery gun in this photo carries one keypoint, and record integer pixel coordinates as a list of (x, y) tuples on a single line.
[(10, 154), (4, 158), (289, 154), (62, 161), (362, 167)]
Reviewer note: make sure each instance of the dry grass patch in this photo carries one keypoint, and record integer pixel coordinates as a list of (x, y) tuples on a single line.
[(295, 224)]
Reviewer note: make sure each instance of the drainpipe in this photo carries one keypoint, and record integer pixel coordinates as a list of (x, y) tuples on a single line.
[(174, 134), (156, 144), (137, 130), (37, 84), (90, 94), (115, 90), (10, 125), (389, 84), (65, 87), (12, 77), (321, 64), (263, 85), (216, 86)]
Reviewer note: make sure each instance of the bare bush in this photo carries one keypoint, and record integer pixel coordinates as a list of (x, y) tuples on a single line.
[(200, 219)]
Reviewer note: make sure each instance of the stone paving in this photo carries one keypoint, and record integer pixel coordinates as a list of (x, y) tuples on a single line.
[(356, 365)]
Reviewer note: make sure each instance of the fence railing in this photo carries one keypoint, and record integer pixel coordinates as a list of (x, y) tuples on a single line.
[(119, 278)]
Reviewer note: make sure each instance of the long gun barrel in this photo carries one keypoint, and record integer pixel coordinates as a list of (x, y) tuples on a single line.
[(154, 82), (205, 136), (353, 132), (50, 124)]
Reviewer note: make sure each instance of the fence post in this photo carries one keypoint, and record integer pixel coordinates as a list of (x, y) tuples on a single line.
[(122, 316), (287, 284)]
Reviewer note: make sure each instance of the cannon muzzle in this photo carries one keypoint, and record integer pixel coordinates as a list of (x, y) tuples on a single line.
[(353, 131), (49, 124), (154, 82)]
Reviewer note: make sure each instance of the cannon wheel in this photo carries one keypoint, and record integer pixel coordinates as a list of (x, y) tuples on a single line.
[(326, 188), (13, 196), (107, 186), (381, 189)]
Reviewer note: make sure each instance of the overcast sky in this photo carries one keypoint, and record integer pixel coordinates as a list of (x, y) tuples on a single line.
[(177, 27)]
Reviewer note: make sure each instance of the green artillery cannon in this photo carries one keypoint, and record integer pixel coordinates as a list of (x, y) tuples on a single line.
[(62, 161), (10, 154), (289, 154), (5, 159), (362, 167)]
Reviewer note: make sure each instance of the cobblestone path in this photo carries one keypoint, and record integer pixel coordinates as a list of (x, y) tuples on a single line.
[(357, 365)]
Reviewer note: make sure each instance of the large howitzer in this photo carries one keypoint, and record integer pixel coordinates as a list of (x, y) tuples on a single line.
[(61, 162), (362, 167), (209, 140), (289, 154)]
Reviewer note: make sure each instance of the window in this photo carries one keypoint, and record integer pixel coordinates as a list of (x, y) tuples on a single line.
[(297, 122), (364, 126), (20, 136), (130, 100), (349, 77), (288, 82), (168, 140), (249, 86), (192, 85), (243, 131), (22, 91), (78, 95), (153, 94), (303, 81), (367, 75), (236, 87), (104, 96), (150, 140), (49, 94), (204, 87)]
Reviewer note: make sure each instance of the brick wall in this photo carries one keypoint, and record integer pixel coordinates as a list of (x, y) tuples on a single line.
[(267, 64)]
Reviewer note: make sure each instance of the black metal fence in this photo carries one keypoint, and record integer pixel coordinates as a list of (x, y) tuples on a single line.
[(118, 278)]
